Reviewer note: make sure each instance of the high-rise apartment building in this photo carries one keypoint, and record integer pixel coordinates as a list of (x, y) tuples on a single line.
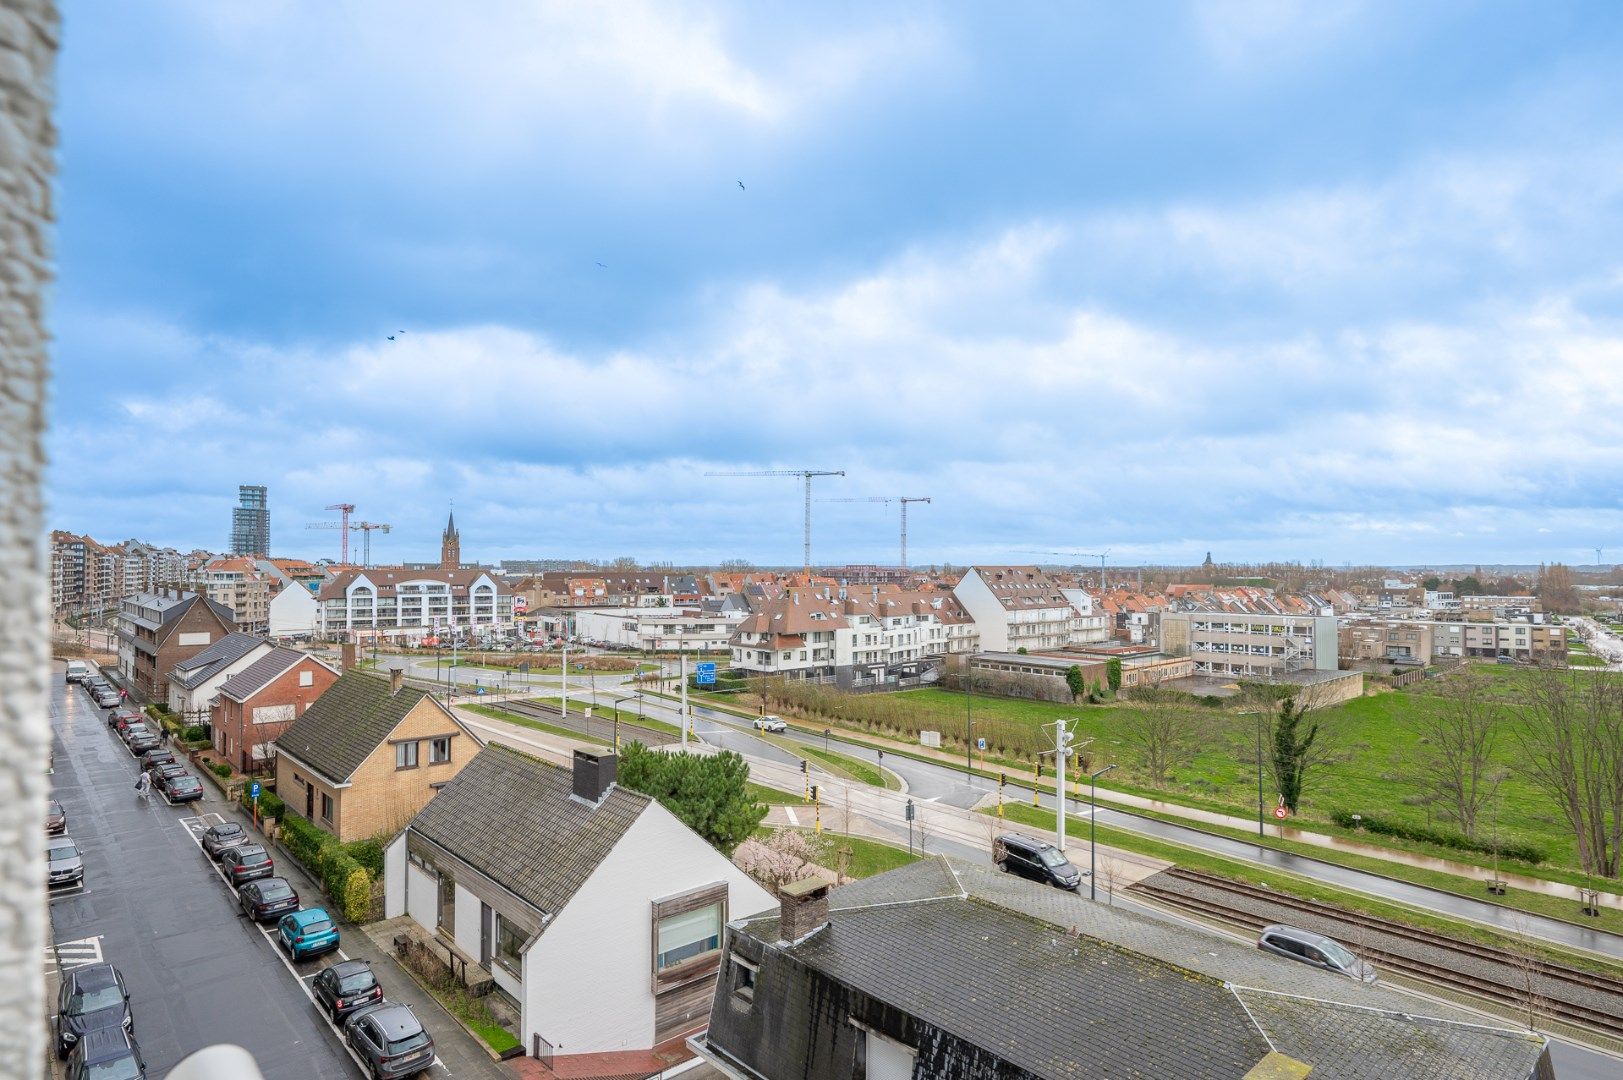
[(250, 521)]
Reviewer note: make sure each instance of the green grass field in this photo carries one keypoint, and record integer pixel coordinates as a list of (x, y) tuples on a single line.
[(854, 768)]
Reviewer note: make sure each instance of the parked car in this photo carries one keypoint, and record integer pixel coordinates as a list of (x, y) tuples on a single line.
[(226, 835), (90, 998), (134, 729), (96, 682), (108, 698), (56, 819), (122, 716), (1505, 660), (1307, 947), (247, 863), (345, 987), (307, 932), (63, 863), (390, 1040), (78, 671), (158, 755), (771, 723), (180, 787), (1035, 859), (143, 742), (168, 768), (265, 899), (107, 1054)]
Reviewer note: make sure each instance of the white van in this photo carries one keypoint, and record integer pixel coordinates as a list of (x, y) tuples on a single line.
[(79, 671)]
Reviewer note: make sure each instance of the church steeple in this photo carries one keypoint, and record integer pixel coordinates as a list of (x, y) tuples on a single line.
[(450, 544)]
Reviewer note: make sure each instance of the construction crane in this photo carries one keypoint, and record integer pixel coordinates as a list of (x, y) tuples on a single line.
[(365, 528), (888, 499), (343, 545), (1081, 555), (806, 475)]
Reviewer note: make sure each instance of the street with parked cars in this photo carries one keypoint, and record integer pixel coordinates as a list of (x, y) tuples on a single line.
[(148, 965)]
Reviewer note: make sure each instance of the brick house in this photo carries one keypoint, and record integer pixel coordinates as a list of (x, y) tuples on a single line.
[(257, 704), (369, 754), (156, 631)]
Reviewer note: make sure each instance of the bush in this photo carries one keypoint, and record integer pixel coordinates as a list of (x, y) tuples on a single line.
[(369, 853), (303, 840), (1422, 834), (269, 805), (347, 882), (194, 733), (221, 769)]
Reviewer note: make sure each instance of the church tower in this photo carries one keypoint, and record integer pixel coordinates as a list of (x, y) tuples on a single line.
[(450, 545)]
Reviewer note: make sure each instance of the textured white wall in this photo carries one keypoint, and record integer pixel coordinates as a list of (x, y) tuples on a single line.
[(28, 42)]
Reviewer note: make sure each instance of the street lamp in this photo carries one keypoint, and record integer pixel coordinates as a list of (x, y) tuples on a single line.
[(826, 733), (617, 701), (1093, 829)]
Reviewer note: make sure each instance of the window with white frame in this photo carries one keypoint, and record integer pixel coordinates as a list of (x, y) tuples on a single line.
[(307, 678)]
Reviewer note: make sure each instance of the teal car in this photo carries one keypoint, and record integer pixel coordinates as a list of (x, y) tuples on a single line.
[(308, 932)]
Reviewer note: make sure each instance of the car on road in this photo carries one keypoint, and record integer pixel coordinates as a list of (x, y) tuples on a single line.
[(246, 862), (180, 787), (771, 723), (96, 682), (345, 987), (56, 819), (107, 1054), (1306, 947), (390, 1040), (1035, 859), (227, 834), (90, 998), (168, 768), (123, 714), (63, 863), (78, 671), (265, 899), (142, 742), (158, 755), (307, 932), (107, 698), (134, 729)]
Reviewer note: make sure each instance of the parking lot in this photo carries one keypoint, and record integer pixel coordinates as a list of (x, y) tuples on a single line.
[(155, 907)]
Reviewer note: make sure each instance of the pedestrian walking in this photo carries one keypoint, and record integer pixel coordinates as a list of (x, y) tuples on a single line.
[(143, 786)]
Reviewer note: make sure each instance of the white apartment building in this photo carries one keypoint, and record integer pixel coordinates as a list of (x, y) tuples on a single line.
[(1093, 626), (1018, 607), (1250, 645), (656, 629), (237, 583), (405, 605), (866, 637)]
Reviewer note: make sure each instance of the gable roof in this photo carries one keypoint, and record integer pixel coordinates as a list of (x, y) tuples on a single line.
[(194, 672), (155, 611), (513, 818), (353, 718), (253, 678)]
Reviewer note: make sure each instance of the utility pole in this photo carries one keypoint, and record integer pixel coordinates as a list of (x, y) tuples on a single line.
[(681, 651), (1063, 738), (806, 476), (1093, 828)]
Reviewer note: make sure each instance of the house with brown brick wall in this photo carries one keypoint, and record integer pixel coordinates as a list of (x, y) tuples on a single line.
[(369, 754), (156, 631), (257, 704)]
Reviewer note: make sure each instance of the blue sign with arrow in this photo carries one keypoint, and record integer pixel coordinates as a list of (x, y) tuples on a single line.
[(704, 673)]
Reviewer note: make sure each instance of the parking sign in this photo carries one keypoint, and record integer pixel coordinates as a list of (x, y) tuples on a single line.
[(253, 790)]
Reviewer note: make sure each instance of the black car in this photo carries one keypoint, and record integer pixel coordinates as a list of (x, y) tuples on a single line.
[(246, 862), (91, 998), (168, 768), (390, 1040), (220, 837), (267, 899), (158, 755), (181, 787), (56, 819), (346, 986), (108, 1054), (1036, 860)]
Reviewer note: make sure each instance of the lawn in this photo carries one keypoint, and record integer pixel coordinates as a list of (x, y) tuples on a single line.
[(853, 768), (771, 796), (495, 713), (1379, 732), (867, 857)]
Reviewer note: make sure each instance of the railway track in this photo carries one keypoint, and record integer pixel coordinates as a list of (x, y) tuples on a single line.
[(1583, 998)]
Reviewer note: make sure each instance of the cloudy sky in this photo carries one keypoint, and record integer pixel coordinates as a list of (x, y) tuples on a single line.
[(1321, 280)]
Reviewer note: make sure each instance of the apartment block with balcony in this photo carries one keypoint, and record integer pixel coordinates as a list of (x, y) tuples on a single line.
[(1260, 646), (239, 584), (863, 637), (1019, 607), (398, 604)]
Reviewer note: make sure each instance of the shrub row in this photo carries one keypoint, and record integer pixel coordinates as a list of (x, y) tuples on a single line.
[(1421, 833), (347, 881)]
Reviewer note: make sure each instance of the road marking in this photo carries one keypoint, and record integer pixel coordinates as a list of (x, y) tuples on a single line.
[(67, 955), (68, 893), (793, 819)]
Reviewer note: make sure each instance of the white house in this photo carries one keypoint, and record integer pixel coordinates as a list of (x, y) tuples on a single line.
[(591, 906), (406, 604), (1018, 607), (294, 612), (194, 683), (656, 628), (1093, 625)]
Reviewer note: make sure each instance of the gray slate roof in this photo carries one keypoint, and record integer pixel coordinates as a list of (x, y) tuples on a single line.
[(170, 607), (1063, 987), (245, 683), (194, 672), (511, 817), (353, 718)]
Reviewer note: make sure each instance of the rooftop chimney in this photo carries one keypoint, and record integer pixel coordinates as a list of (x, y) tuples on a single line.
[(802, 909), (397, 677), (594, 775), (349, 655)]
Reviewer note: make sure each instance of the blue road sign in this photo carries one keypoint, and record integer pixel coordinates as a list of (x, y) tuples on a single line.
[(980, 744), (253, 790), (704, 673)]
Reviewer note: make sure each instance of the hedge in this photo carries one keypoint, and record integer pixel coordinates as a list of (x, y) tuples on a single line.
[(346, 880), (270, 805), (1421, 833)]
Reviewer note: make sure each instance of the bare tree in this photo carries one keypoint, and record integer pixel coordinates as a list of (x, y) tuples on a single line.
[(1461, 736), (1110, 875), (1162, 731), (1571, 738)]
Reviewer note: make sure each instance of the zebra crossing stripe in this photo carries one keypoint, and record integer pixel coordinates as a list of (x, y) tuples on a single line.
[(68, 955)]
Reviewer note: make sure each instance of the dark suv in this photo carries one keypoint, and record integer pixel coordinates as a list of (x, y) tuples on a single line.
[(390, 1041), (247, 863), (91, 997), (268, 899), (345, 987), (1036, 860)]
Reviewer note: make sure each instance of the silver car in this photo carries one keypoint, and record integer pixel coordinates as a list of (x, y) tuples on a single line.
[(63, 864), (1306, 947)]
